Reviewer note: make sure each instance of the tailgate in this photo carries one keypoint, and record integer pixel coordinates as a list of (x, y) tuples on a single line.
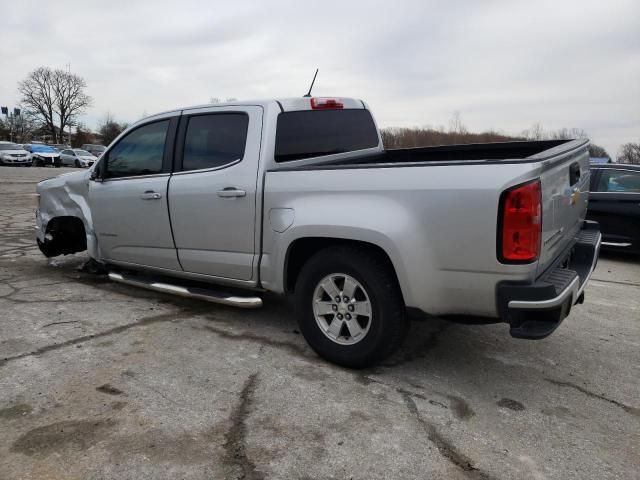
[(565, 194)]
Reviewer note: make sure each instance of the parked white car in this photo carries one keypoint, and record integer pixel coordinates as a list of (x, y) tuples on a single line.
[(13, 154), (77, 157)]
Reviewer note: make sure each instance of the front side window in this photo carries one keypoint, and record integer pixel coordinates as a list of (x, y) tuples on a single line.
[(214, 140), (613, 181), (139, 153)]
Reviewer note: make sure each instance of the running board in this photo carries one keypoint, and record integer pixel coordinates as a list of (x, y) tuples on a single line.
[(190, 292), (616, 244)]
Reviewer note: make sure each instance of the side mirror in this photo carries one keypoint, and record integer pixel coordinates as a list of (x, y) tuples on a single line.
[(96, 173)]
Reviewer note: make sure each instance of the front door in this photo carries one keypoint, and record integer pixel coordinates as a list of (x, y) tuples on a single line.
[(129, 206), (212, 193)]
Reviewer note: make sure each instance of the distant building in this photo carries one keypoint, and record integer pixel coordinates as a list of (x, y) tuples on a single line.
[(600, 160)]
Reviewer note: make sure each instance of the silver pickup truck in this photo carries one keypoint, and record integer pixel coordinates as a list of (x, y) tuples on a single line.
[(299, 197)]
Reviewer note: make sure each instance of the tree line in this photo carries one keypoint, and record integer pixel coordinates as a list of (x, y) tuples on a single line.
[(457, 133)]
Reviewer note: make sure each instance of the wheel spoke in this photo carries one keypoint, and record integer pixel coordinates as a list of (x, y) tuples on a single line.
[(329, 286), (354, 328), (362, 308), (323, 308), (349, 287), (335, 327)]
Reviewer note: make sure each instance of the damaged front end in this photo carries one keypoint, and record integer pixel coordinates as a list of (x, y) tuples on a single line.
[(63, 217)]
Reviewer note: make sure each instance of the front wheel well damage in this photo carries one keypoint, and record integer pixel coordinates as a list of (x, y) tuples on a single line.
[(63, 236)]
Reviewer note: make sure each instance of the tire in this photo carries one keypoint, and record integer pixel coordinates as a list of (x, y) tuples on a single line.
[(77, 163), (382, 331)]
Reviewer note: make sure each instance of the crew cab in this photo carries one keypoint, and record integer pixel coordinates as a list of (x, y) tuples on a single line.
[(299, 197)]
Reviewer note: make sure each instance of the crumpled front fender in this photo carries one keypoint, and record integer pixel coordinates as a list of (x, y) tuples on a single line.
[(66, 195)]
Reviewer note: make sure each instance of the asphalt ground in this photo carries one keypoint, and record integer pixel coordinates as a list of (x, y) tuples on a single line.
[(100, 380)]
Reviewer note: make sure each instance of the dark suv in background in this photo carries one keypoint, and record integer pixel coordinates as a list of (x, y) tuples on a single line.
[(614, 202), (94, 149)]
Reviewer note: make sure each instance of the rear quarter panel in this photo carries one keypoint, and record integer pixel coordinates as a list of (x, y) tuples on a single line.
[(437, 224)]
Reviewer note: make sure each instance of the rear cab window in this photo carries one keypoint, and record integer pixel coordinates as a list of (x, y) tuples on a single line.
[(314, 133)]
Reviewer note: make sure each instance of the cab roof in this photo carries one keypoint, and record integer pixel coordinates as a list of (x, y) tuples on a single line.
[(290, 104)]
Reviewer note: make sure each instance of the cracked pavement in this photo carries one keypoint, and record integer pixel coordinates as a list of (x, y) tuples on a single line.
[(100, 380)]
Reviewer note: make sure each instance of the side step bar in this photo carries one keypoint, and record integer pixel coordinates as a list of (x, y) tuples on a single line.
[(190, 292)]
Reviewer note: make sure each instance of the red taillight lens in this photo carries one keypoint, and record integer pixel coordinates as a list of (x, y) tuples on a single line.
[(521, 223), (326, 103)]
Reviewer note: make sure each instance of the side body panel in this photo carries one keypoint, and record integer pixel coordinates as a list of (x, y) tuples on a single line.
[(437, 224)]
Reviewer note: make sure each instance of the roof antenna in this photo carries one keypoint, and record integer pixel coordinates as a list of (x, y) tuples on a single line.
[(312, 82)]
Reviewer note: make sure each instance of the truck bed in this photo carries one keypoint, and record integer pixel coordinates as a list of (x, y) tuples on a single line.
[(478, 152)]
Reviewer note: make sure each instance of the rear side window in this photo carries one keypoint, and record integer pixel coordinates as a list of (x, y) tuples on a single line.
[(214, 140), (313, 133), (619, 181)]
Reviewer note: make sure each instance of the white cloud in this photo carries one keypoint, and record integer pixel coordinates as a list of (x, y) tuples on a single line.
[(502, 64)]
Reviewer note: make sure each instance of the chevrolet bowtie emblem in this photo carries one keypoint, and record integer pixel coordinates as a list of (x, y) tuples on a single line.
[(575, 196)]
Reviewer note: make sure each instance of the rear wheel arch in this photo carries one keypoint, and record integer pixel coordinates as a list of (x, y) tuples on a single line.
[(302, 249)]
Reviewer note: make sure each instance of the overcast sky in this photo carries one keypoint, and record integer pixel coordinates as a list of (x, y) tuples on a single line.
[(502, 64)]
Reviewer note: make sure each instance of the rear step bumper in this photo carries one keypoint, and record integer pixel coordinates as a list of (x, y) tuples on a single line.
[(535, 310), (190, 292)]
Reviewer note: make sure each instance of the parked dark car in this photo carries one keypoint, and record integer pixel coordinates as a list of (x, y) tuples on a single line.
[(614, 202)]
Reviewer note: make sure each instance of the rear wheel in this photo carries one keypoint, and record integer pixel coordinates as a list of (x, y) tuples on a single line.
[(349, 306)]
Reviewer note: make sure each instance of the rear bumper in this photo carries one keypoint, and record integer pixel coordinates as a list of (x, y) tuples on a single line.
[(536, 309)]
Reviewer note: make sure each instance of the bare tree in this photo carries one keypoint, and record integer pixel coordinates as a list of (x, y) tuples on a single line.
[(38, 97), (536, 132), (70, 98), (598, 151), (54, 97), (629, 153), (109, 128)]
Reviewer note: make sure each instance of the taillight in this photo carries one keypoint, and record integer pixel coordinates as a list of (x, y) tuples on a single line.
[(325, 103), (521, 223)]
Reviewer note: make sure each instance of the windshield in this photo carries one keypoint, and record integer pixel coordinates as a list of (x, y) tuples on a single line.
[(43, 149), (82, 153), (11, 147), (98, 148)]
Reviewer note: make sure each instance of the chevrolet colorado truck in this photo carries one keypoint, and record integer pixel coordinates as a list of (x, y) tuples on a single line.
[(299, 197)]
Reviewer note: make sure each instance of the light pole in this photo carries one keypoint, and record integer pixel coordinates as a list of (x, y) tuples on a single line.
[(10, 119)]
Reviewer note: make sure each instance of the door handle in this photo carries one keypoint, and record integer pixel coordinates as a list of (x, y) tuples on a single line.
[(231, 192), (150, 195)]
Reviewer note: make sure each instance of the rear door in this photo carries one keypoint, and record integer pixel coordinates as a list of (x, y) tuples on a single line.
[(614, 202), (129, 206), (212, 193), (565, 195)]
